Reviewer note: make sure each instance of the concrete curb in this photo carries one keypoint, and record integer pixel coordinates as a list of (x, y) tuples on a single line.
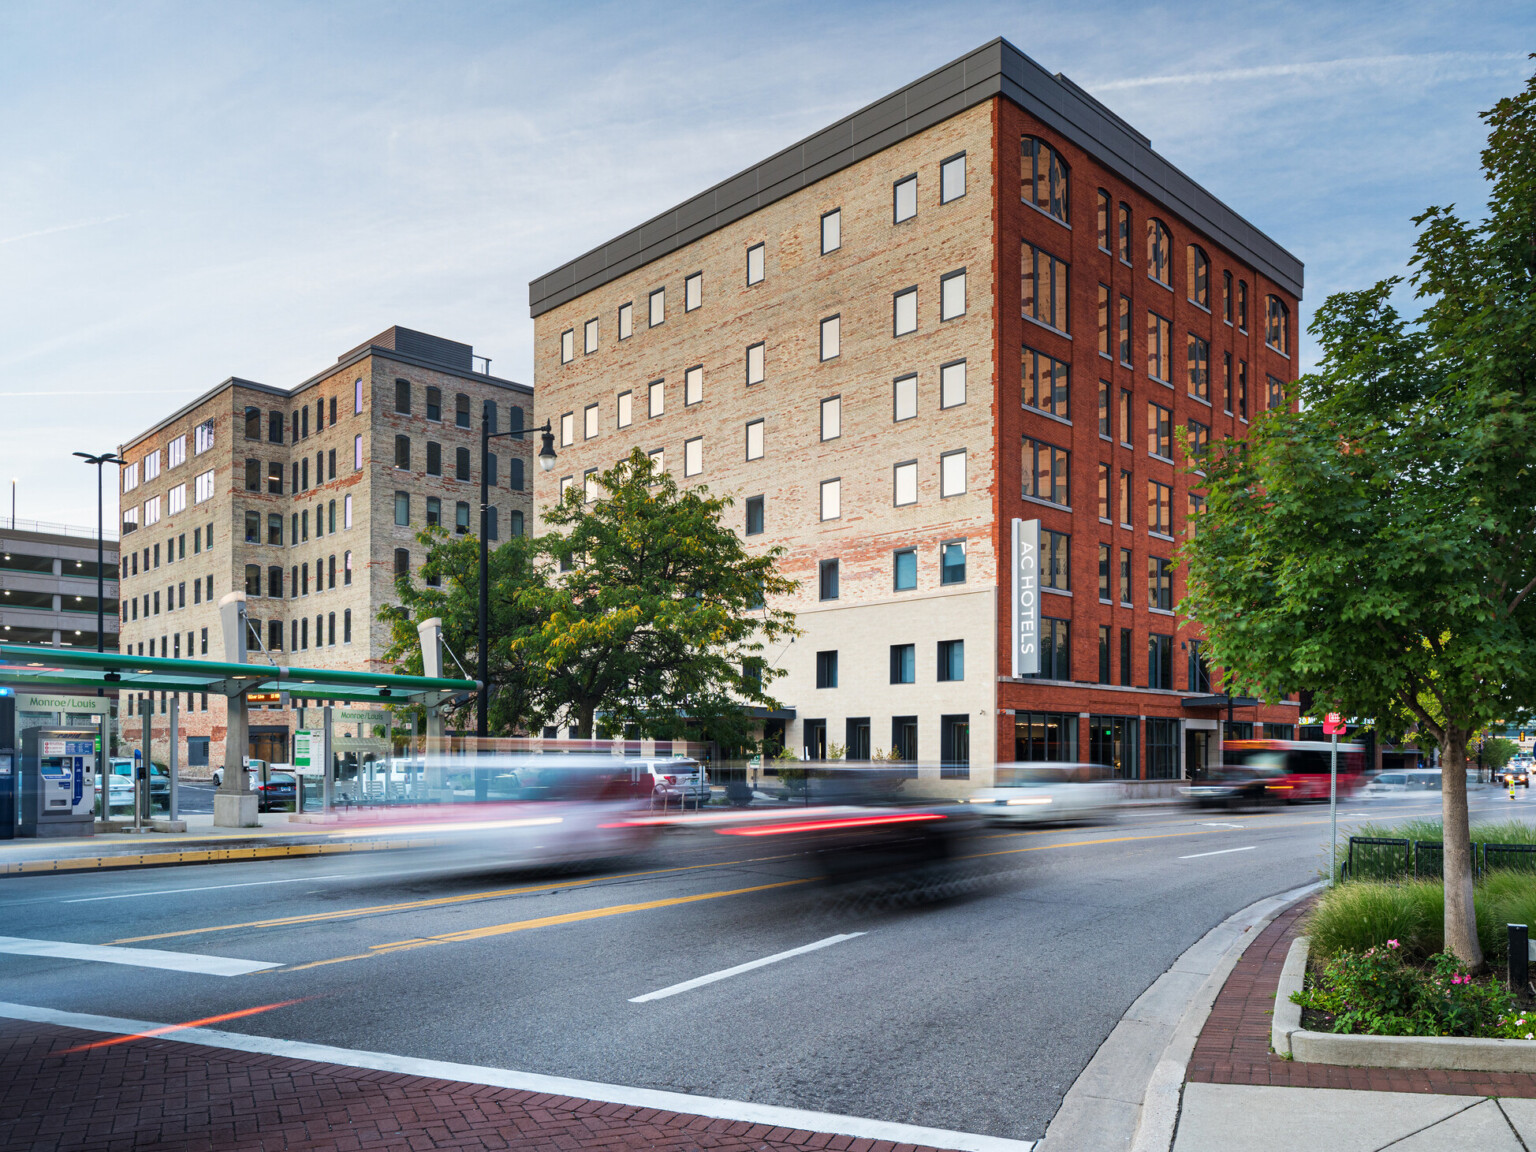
[(1129, 1095), (210, 855), (1451, 1053)]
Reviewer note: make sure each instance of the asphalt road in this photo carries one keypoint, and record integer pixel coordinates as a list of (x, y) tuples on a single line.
[(974, 1013)]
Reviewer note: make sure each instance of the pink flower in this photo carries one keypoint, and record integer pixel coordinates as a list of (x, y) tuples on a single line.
[(1391, 943)]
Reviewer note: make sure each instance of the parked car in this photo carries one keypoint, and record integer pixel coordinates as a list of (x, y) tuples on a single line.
[(1030, 793), (120, 794), (159, 781), (684, 781), (279, 788), (1237, 786), (1404, 780)]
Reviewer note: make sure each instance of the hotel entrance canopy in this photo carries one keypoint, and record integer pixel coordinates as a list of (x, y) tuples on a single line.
[(53, 669)]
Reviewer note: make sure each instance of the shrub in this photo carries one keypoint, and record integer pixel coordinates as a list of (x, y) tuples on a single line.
[(1365, 914)]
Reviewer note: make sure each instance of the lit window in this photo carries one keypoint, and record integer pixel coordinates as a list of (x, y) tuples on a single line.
[(131, 477), (1159, 245), (626, 409), (567, 346), (693, 292), (346, 514), (832, 231), (1043, 178), (176, 452), (591, 487), (152, 511), (567, 428), (904, 397), (357, 453), (831, 499), (202, 437), (589, 336), (904, 199), (952, 295), (658, 459), (906, 483), (151, 465), (755, 358), (203, 487), (831, 337), (357, 396), (589, 422), (176, 499), (904, 312), (952, 179), (693, 456), (658, 398), (1043, 287), (755, 255), (693, 385), (952, 385), (832, 418), (658, 303), (626, 321), (952, 473), (755, 440)]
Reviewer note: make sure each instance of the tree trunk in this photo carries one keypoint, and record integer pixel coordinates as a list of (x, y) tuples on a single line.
[(1460, 917)]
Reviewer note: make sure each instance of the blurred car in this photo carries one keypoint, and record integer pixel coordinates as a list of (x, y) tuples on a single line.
[(1035, 793), (1404, 780), (278, 788), (1513, 775), (1237, 786)]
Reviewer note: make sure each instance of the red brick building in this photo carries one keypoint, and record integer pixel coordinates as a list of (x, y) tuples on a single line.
[(981, 299)]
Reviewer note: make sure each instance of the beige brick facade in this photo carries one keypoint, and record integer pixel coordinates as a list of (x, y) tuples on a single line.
[(313, 581)]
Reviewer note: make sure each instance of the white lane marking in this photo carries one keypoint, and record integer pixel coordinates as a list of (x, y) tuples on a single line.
[(700, 981), (1223, 852), (1217, 824), (680, 1102), (203, 888), (136, 957)]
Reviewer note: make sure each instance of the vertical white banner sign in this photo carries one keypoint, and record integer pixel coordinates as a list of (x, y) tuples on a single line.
[(1026, 597)]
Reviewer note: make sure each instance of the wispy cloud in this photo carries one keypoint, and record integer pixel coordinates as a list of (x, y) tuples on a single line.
[(62, 228), (1481, 61)]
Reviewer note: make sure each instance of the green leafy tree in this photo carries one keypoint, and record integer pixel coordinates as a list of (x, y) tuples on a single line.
[(1494, 752), (1378, 546), (654, 614)]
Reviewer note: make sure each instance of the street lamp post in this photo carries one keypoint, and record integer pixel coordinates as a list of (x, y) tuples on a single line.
[(546, 462), (104, 458)]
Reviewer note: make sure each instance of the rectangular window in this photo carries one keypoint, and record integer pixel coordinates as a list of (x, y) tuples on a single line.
[(951, 660), (591, 490), (952, 295), (904, 312), (402, 508), (1103, 491), (434, 512), (1125, 331), (346, 569), (202, 487), (176, 500), (567, 436), (1196, 506), (831, 499), (1105, 575), (952, 179), (826, 669), (403, 452), (658, 307), (832, 418), (1125, 499), (1104, 431), (754, 515), (904, 739), (1226, 383), (589, 336), (755, 363), (403, 397), (1160, 431), (1159, 508), (1103, 220), (461, 410), (657, 398), (827, 580), (1159, 583), (1199, 356), (461, 518), (755, 440), (1276, 397), (435, 404), (952, 562), (693, 385), (252, 530), (176, 452), (131, 477), (952, 384), (952, 473), (625, 409), (1159, 348), (903, 663), (1242, 305), (904, 199), (905, 483), (1046, 472), (567, 346), (1242, 390), (152, 513), (1226, 297), (693, 292), (346, 512), (1104, 653), (1055, 651), (1163, 744), (755, 269), (1159, 667), (658, 458), (693, 456), (1199, 440), (1045, 385), (1056, 561), (1103, 320), (1043, 287), (461, 463), (904, 565), (831, 337), (152, 466), (1125, 657), (904, 397), (832, 231), (275, 528)]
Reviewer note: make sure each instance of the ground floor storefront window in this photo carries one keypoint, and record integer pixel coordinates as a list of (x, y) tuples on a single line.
[(1112, 741), (1045, 736), (1162, 748)]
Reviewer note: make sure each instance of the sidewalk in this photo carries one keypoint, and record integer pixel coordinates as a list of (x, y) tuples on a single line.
[(1240, 1097)]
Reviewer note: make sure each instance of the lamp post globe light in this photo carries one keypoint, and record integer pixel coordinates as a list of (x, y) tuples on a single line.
[(546, 462), (104, 458)]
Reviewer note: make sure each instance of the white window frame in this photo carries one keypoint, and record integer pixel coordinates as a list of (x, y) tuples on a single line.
[(176, 500), (831, 337), (755, 430), (657, 305), (656, 398), (952, 384), (832, 418), (693, 456), (590, 489), (904, 312), (357, 396), (831, 231), (757, 358), (202, 437), (357, 453), (756, 264), (131, 476), (567, 429), (952, 179), (176, 453), (589, 337), (831, 505), (904, 483), (346, 514), (202, 487), (952, 295), (151, 465), (658, 459), (693, 292), (151, 511), (952, 475), (904, 398), (904, 199), (565, 486), (589, 422), (626, 320), (626, 409), (693, 385), (567, 345)]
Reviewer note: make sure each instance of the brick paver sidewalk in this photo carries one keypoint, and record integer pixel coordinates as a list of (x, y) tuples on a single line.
[(1234, 1045), (180, 1097)]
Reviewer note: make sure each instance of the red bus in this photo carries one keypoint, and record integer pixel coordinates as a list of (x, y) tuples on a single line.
[(1304, 763)]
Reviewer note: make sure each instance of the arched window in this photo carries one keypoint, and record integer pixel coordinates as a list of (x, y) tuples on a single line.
[(1043, 176), (1158, 256), (1103, 220), (1277, 325), (1124, 237), (1197, 268)]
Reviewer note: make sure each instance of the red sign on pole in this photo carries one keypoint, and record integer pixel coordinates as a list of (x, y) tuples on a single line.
[(1333, 724)]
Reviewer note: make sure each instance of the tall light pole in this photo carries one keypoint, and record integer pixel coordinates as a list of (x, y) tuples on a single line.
[(104, 458), (546, 462)]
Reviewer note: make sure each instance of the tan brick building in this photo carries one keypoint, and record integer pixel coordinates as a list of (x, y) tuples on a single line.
[(307, 499), (981, 299)]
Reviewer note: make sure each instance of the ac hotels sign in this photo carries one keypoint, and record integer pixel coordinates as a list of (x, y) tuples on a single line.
[(1026, 597)]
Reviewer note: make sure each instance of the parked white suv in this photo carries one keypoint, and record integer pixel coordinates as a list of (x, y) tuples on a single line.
[(682, 781)]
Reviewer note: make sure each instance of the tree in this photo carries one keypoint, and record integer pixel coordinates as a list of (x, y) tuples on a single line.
[(655, 614), (1378, 546), (1494, 752)]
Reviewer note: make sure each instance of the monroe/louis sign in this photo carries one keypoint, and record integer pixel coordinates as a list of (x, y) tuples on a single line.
[(1026, 597)]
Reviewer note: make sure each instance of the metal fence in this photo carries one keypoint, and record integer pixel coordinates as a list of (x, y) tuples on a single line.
[(1389, 858)]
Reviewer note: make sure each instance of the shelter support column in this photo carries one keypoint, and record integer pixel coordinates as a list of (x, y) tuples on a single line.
[(234, 804), (431, 633)]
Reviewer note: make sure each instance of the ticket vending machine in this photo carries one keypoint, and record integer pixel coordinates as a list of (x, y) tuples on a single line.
[(7, 764), (58, 782)]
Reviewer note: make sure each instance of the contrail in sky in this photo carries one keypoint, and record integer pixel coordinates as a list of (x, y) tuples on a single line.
[(1312, 68), (63, 228)]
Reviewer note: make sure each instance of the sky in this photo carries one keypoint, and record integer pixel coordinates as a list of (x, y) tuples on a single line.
[(193, 191)]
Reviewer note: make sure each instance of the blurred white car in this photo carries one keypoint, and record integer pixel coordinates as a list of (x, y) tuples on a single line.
[(1032, 793)]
